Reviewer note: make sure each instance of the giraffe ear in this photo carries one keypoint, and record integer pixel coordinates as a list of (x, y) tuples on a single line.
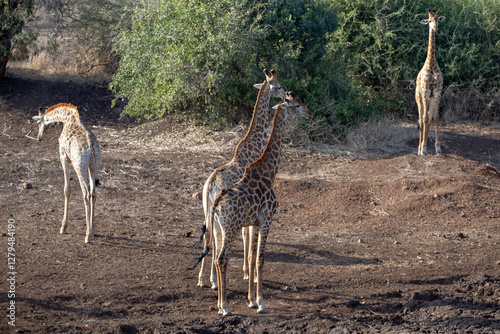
[(37, 118), (441, 19), (276, 107), (257, 86), (424, 21)]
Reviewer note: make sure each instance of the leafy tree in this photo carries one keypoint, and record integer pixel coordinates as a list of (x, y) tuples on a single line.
[(11, 24)]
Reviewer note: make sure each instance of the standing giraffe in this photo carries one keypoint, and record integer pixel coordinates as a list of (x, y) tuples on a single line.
[(429, 87), (77, 145), (250, 202), (247, 151)]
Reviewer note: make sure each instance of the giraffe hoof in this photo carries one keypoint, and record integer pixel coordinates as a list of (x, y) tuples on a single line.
[(262, 309), (214, 286), (252, 305), (63, 231), (438, 150), (225, 312)]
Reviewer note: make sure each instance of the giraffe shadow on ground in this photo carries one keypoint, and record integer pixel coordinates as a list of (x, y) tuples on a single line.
[(305, 254), (478, 148)]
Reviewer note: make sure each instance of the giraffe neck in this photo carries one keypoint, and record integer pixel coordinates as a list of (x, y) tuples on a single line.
[(251, 146), (431, 49), (268, 163), (65, 115)]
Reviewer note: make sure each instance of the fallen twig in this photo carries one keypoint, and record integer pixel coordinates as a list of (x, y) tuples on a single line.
[(27, 135)]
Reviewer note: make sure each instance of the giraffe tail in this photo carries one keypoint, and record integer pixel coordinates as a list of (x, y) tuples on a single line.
[(198, 260), (203, 230)]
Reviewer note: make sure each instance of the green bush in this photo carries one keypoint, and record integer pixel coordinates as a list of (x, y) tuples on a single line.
[(185, 55)]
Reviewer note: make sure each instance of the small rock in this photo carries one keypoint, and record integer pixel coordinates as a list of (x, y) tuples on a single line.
[(197, 196), (361, 241), (26, 185), (188, 234), (4, 234), (352, 303), (396, 242)]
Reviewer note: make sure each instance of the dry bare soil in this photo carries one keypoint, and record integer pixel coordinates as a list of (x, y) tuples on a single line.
[(394, 243)]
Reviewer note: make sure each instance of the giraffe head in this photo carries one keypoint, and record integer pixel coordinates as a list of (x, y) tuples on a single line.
[(433, 20), (42, 124), (274, 85), (294, 107)]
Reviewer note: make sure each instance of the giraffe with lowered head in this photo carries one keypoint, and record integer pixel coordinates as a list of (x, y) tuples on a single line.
[(77, 145), (247, 151), (251, 202), (429, 88)]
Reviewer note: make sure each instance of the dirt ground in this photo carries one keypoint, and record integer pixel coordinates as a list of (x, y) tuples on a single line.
[(394, 243)]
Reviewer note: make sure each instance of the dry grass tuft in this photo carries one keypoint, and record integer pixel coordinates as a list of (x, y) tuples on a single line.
[(460, 104), (382, 136)]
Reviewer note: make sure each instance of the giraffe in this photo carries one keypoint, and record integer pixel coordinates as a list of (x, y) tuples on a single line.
[(429, 87), (77, 145), (251, 202), (247, 151)]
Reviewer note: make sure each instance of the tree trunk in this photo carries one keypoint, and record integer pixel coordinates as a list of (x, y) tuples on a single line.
[(3, 66)]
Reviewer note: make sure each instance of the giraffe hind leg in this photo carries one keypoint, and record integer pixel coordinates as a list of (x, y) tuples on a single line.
[(435, 117), (83, 177), (67, 193), (421, 122), (92, 199)]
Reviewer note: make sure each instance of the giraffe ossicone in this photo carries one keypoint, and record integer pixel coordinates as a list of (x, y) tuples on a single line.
[(78, 146)]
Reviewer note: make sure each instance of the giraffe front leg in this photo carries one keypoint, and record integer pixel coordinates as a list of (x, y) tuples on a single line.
[(67, 193)]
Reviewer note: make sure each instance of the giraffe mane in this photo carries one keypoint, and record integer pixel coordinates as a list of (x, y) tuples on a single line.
[(253, 115), (272, 132), (61, 105)]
